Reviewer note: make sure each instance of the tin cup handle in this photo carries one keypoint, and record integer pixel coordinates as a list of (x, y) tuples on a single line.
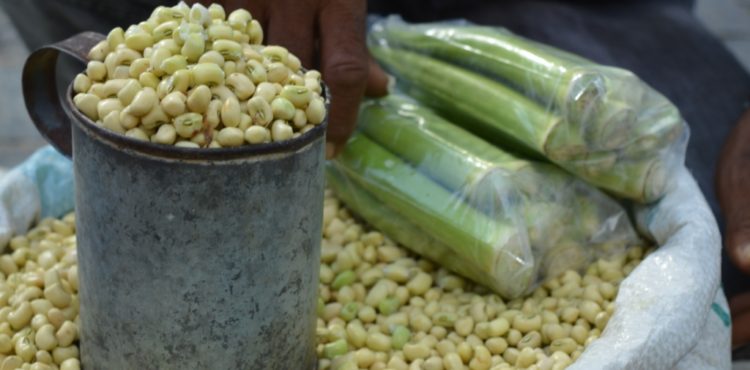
[(40, 91)]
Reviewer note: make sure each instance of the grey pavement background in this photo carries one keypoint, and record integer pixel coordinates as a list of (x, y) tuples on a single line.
[(18, 137)]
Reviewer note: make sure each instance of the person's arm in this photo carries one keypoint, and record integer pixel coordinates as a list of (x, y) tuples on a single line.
[(733, 192), (325, 34)]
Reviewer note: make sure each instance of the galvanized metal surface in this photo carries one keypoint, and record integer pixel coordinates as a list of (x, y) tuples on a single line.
[(193, 259), (194, 265)]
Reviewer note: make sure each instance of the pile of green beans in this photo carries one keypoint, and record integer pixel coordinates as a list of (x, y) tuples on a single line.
[(195, 77), (379, 308)]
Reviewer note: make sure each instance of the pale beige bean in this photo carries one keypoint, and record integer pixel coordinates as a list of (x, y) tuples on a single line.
[(527, 323), (526, 357), (300, 119), (71, 364), (213, 113), (156, 59), (67, 333), (208, 74), (11, 363), (99, 51), (173, 64), (193, 47), (452, 361), (166, 134), (255, 31), (230, 136), (230, 117), (137, 133), (589, 310), (275, 54), (230, 50), (199, 99), (82, 83), (260, 111), (565, 345), (531, 340), (154, 118), (96, 71), (128, 92), (112, 122), (107, 106), (115, 37), (127, 120), (240, 85), (316, 111), (277, 72), (212, 57), (174, 104), (38, 321), (218, 31), (257, 135), (20, 316), (60, 354), (300, 96), (57, 295), (313, 85), (266, 90), (169, 44), (138, 67), (87, 104), (293, 63), (45, 338), (25, 349), (148, 79), (257, 71), (43, 357), (229, 68), (514, 337), (245, 120), (143, 102), (282, 109), (378, 342), (186, 125)]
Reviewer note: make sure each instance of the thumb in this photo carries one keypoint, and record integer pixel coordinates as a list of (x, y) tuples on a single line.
[(377, 80)]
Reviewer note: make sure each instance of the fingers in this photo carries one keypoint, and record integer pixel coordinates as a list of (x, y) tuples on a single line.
[(733, 180), (377, 80), (344, 64), (291, 23)]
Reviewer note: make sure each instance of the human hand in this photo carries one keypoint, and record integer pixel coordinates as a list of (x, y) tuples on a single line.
[(328, 35)]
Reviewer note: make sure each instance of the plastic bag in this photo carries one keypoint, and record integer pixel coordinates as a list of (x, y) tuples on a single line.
[(42, 186), (481, 212), (670, 312), (601, 123)]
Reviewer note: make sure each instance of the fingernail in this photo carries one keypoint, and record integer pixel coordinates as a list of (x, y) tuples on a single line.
[(330, 150)]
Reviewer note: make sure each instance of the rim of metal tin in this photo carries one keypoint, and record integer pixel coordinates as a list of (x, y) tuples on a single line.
[(174, 152)]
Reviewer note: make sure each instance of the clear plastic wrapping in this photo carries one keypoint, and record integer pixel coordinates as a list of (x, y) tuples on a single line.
[(601, 123), (446, 194)]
